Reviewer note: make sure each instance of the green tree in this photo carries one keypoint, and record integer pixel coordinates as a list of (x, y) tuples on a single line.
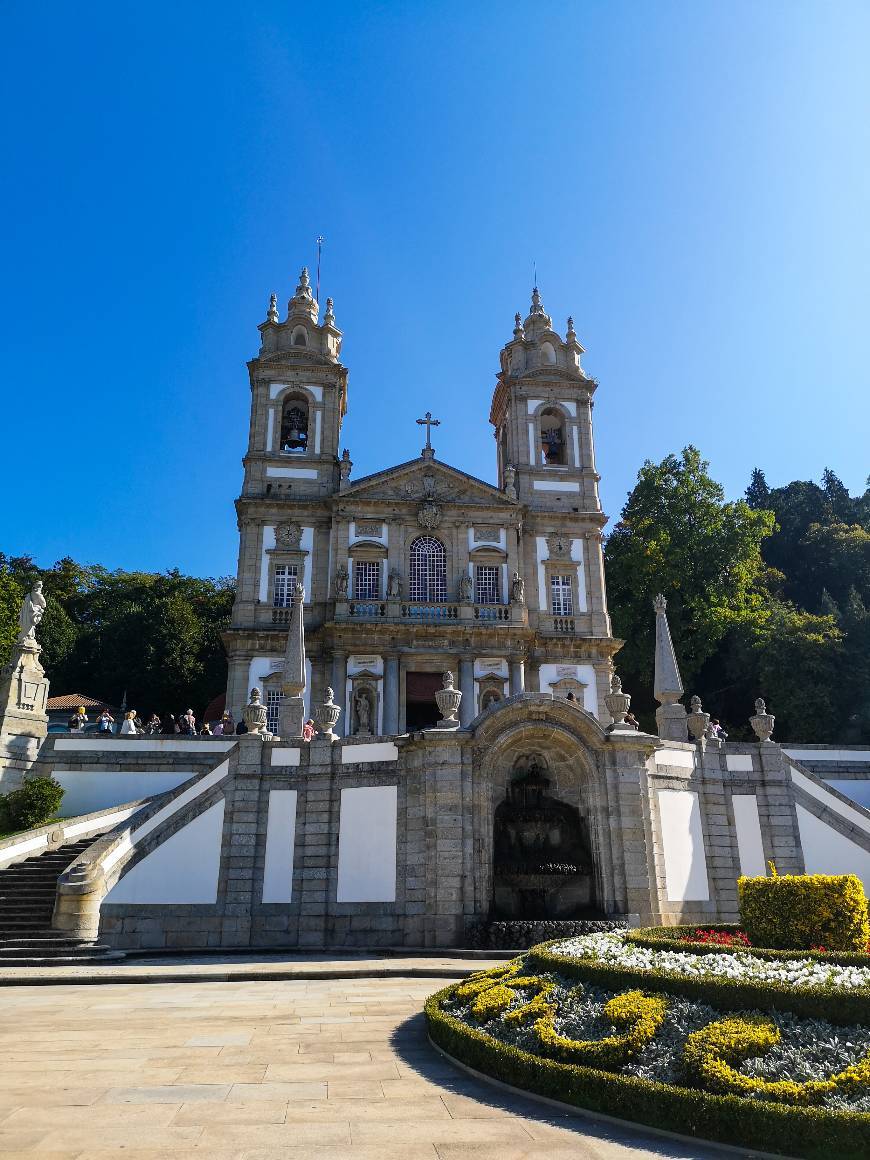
[(11, 595), (678, 535)]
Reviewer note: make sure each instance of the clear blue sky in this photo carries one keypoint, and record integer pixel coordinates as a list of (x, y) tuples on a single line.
[(693, 180)]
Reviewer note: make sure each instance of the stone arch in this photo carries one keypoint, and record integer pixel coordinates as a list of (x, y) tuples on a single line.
[(554, 435), (295, 423), (299, 336)]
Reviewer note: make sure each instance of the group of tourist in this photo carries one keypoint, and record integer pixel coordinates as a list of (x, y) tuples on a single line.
[(168, 726)]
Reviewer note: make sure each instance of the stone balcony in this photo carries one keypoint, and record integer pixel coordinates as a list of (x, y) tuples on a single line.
[(429, 612)]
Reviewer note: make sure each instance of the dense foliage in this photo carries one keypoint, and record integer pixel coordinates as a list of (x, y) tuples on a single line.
[(767, 596), (800, 911), (34, 803), (155, 636)]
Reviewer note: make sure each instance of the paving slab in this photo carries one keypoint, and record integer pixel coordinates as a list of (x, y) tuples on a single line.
[(327, 1068)]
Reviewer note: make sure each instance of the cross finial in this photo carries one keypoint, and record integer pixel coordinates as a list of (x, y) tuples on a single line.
[(428, 422)]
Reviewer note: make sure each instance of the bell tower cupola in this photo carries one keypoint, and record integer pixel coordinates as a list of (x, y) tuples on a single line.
[(542, 415), (298, 401)]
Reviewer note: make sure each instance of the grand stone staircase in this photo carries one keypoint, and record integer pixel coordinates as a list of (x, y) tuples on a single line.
[(27, 892)]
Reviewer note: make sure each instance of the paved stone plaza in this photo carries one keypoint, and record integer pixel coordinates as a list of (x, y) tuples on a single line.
[(259, 1070)]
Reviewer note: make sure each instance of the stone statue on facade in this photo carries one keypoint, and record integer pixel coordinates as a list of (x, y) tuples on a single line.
[(345, 466), (339, 583), (394, 585), (363, 711), (465, 588), (30, 616), (428, 486), (510, 481), (518, 589)]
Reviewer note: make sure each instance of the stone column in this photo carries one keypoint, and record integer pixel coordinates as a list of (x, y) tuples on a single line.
[(391, 694), (466, 684), (339, 687), (517, 684)]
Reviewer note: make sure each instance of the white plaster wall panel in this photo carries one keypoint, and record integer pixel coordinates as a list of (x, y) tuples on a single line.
[(576, 437), (144, 745), (26, 846), (577, 557), (830, 800), (570, 406), (828, 852), (285, 755), (367, 845), (182, 870), (318, 422), (541, 553), (373, 751), (291, 473), (533, 459), (267, 545), (739, 762), (858, 791), (532, 405), (306, 543), (316, 391), (490, 666), (683, 846), (270, 428), (750, 847), (280, 843), (551, 672), (555, 485), (258, 669), (89, 790), (383, 538), (680, 758), (829, 754), (103, 822)]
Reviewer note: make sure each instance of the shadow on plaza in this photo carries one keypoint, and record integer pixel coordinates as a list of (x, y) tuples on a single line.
[(412, 1047)]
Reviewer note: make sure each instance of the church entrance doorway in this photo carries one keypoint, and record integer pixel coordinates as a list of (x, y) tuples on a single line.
[(421, 709)]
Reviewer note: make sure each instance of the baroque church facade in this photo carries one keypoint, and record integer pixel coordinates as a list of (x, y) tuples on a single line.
[(420, 568)]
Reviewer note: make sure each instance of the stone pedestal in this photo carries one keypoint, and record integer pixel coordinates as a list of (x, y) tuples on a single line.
[(23, 694), (671, 721), (291, 718)]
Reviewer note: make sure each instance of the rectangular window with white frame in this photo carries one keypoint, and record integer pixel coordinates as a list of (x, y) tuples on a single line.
[(284, 584), (274, 697), (561, 596), (367, 579), (487, 584)]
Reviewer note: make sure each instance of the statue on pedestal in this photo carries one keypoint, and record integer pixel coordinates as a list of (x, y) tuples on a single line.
[(30, 616), (23, 686)]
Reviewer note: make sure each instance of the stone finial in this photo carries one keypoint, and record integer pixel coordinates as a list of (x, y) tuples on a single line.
[(667, 686), (329, 316), (518, 326), (304, 287), (618, 704), (303, 301), (344, 468), (447, 699), (272, 312), (762, 723), (326, 714), (256, 715), (698, 720), (537, 304)]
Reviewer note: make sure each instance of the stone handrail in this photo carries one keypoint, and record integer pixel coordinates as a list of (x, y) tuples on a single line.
[(86, 881), (36, 841)]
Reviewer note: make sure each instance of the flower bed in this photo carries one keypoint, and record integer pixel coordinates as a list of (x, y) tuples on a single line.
[(730, 938), (771, 1079)]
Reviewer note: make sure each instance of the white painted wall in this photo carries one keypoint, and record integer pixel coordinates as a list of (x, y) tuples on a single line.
[(828, 852), (89, 790), (291, 473), (739, 762), (680, 758), (750, 847), (383, 538), (267, 544), (550, 673), (542, 554), (367, 845), (280, 843), (683, 846), (182, 870), (372, 751)]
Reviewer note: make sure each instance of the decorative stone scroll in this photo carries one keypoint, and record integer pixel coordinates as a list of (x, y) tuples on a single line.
[(288, 536)]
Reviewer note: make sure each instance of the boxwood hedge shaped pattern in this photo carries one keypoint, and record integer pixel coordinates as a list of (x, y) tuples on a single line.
[(798, 912)]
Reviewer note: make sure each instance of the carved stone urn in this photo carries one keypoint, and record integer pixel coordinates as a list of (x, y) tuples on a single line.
[(256, 715), (618, 704), (326, 715), (762, 723), (697, 720), (448, 700)]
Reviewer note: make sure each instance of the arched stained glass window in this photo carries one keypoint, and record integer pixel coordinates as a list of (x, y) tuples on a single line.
[(428, 570)]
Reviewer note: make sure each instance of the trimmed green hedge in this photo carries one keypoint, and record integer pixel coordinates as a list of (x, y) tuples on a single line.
[(799, 911), (811, 1133), (663, 938), (729, 994)]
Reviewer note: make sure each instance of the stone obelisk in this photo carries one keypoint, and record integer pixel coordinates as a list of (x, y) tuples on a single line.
[(292, 712), (668, 685)]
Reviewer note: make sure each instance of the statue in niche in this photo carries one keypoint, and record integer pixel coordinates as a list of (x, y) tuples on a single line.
[(510, 476), (394, 585), (465, 588), (30, 616), (518, 589), (363, 710), (339, 582)]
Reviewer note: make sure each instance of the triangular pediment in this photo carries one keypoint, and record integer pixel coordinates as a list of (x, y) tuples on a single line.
[(422, 480)]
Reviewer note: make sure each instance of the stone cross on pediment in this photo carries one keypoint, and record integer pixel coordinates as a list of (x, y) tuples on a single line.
[(428, 422)]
